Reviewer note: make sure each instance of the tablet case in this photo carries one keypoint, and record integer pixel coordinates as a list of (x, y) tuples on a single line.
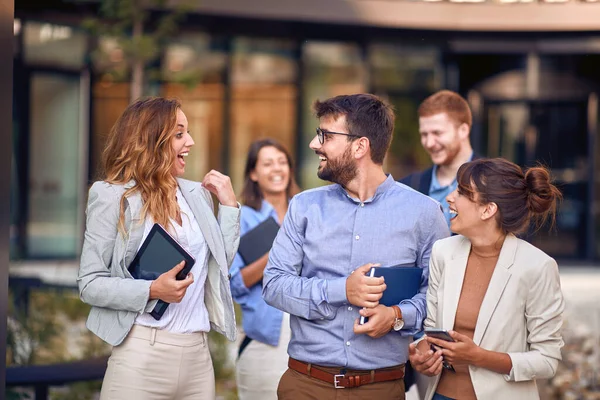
[(402, 281), (258, 241), (159, 253)]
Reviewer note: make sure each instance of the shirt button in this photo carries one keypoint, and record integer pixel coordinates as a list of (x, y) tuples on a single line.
[(347, 343), (362, 204), (357, 237), (349, 308)]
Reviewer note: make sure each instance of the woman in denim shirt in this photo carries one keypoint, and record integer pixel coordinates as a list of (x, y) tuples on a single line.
[(268, 186)]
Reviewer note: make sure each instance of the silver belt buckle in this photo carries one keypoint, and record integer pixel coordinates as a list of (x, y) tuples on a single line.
[(336, 381)]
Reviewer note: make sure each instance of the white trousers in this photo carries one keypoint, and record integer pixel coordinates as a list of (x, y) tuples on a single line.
[(260, 366), (153, 364)]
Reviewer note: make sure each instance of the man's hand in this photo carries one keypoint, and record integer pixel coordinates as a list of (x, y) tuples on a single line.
[(167, 288), (380, 321), (220, 185), (424, 360), (462, 352), (364, 291)]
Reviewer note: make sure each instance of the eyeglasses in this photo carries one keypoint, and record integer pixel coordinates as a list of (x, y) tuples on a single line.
[(321, 134)]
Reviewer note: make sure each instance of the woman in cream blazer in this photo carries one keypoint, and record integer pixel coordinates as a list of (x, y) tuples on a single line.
[(143, 161), (497, 295)]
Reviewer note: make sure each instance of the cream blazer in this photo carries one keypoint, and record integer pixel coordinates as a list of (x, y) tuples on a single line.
[(521, 314)]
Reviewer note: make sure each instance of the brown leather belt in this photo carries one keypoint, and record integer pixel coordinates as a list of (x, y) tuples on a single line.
[(351, 379)]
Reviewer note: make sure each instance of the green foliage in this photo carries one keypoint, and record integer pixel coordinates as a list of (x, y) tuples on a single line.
[(140, 29)]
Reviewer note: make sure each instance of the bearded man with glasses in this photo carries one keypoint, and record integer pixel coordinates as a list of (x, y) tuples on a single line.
[(330, 238)]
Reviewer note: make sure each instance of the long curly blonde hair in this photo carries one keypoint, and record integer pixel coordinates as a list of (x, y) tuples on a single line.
[(139, 149)]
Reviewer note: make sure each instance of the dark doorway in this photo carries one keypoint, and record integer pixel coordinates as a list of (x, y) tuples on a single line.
[(554, 134)]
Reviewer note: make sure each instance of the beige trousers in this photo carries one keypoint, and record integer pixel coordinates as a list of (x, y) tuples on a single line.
[(153, 364), (260, 366)]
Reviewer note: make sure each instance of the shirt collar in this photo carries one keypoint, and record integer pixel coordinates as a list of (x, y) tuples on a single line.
[(382, 188), (266, 208)]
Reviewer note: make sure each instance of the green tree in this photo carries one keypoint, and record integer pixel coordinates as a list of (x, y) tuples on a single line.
[(141, 29)]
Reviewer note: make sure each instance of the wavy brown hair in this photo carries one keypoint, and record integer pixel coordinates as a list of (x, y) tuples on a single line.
[(251, 195), (139, 149)]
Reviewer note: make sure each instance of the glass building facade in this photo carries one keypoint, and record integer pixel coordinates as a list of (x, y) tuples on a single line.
[(534, 99), (239, 87)]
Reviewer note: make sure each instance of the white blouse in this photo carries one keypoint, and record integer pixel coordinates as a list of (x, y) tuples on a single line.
[(190, 315)]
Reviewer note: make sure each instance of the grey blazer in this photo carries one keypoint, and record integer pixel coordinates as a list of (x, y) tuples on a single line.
[(106, 284)]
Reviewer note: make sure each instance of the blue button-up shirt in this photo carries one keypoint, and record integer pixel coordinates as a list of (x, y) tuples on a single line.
[(326, 234), (260, 321)]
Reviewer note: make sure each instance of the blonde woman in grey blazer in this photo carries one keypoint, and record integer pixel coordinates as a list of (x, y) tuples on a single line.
[(143, 161), (498, 296)]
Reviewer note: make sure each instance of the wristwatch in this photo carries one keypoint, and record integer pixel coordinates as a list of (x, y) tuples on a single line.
[(398, 322)]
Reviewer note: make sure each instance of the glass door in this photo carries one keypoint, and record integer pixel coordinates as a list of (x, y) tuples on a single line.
[(57, 169), (554, 134)]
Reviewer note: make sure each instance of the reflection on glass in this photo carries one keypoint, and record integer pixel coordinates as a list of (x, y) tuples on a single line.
[(406, 153), (402, 67), (533, 132), (203, 107), (330, 69), (109, 101), (194, 72), (264, 97), (52, 229), (194, 58), (55, 45), (404, 75), (109, 61)]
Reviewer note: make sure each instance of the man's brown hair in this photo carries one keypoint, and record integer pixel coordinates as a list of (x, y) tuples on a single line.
[(449, 102), (366, 115)]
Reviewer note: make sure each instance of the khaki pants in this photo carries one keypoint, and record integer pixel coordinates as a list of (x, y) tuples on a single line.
[(260, 366), (154, 364), (296, 386)]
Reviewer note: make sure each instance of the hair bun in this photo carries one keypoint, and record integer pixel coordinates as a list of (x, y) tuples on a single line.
[(541, 193)]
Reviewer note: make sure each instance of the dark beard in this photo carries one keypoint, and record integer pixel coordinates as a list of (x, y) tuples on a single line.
[(340, 171)]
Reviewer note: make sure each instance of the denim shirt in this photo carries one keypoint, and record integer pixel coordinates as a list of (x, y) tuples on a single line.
[(326, 235), (260, 321)]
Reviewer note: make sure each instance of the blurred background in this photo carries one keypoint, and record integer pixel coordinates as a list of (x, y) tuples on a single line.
[(530, 70)]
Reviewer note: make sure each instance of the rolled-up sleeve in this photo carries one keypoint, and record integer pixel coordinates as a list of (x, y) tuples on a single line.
[(284, 288), (543, 313)]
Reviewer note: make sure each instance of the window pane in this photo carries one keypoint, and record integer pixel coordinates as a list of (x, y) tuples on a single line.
[(402, 67), (109, 102), (330, 69), (54, 45), (203, 107), (109, 61), (263, 98), (194, 58), (52, 226), (194, 71)]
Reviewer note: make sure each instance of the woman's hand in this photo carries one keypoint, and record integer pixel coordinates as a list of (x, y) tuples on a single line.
[(167, 288), (220, 185), (424, 360), (461, 352)]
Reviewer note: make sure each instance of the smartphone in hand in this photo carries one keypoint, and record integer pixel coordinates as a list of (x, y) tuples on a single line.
[(442, 335)]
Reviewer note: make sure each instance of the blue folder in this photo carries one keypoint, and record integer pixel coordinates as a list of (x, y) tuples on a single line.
[(402, 281)]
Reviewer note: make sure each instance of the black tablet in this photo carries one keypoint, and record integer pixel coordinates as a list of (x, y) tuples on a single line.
[(159, 253), (258, 241)]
